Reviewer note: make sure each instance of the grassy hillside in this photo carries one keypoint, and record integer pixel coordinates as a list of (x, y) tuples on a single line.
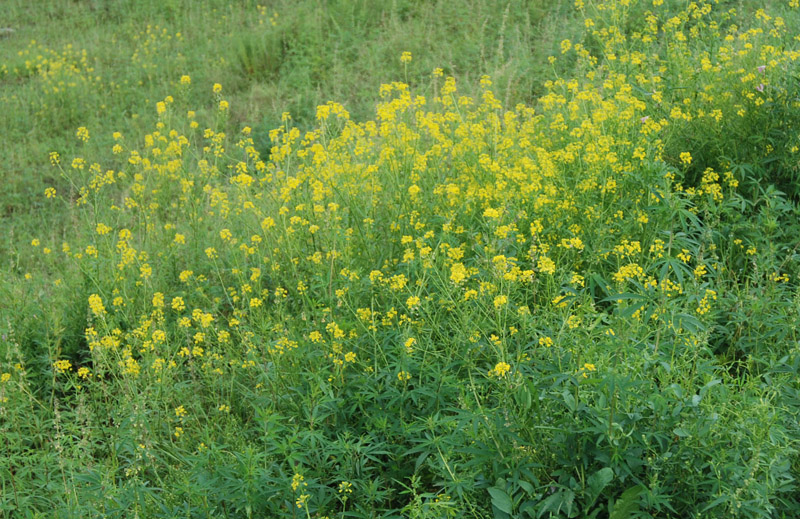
[(400, 259)]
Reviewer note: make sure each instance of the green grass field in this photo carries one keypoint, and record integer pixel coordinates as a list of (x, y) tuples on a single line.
[(400, 259)]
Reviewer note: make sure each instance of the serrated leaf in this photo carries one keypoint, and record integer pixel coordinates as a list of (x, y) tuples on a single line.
[(627, 504)]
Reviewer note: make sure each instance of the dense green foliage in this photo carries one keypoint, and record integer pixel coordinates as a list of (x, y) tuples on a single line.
[(482, 281)]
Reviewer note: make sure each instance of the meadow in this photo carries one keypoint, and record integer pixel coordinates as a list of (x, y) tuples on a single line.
[(356, 259)]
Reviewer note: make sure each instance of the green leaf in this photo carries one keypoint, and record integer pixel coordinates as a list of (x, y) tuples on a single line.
[(632, 309), (597, 482), (623, 297), (627, 504), (501, 500)]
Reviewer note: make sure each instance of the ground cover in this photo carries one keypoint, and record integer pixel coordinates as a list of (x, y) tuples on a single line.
[(416, 260)]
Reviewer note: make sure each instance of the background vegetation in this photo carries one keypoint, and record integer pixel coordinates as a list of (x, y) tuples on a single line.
[(399, 259)]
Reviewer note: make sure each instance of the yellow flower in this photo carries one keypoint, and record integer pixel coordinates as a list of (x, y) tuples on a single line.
[(412, 301), (186, 80), (62, 366), (546, 265), (82, 134), (405, 57), (217, 88), (96, 305), (297, 481), (50, 192), (500, 301), (500, 370), (158, 300), (491, 212)]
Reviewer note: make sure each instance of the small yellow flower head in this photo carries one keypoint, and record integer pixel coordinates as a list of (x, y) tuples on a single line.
[(686, 158), (223, 105), (55, 159), (62, 366), (158, 300), (345, 487), (177, 304), (405, 57), (102, 229), (302, 500), (297, 481), (500, 302), (412, 302), (82, 134), (491, 212), (410, 342), (96, 305), (217, 88), (587, 368), (438, 72), (500, 370), (161, 107), (403, 376), (186, 80)]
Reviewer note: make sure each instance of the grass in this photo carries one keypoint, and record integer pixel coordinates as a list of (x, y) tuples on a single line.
[(359, 259)]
